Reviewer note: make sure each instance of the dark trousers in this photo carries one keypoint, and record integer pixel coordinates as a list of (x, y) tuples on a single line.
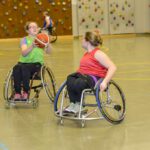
[(22, 73), (76, 83), (50, 30)]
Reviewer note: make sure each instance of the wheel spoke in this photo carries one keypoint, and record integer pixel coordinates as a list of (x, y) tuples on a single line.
[(48, 82), (112, 103)]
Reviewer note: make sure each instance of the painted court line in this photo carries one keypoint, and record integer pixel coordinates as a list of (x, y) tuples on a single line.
[(133, 79), (134, 71)]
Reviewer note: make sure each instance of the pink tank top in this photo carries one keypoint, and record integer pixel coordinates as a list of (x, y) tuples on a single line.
[(90, 66)]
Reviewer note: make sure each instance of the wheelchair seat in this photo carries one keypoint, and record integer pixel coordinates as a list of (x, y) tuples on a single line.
[(44, 79), (109, 105)]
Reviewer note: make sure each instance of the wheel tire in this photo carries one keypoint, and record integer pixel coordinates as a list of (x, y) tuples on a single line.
[(48, 82), (106, 106)]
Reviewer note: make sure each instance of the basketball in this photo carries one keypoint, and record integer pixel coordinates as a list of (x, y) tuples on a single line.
[(42, 40)]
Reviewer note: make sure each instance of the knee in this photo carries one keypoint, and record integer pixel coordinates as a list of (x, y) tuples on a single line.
[(70, 80), (16, 68)]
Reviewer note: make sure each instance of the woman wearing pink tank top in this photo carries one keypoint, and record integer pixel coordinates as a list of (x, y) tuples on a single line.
[(94, 64)]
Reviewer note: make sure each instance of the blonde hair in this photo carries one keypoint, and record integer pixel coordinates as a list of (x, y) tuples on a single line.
[(94, 38), (45, 12), (26, 27)]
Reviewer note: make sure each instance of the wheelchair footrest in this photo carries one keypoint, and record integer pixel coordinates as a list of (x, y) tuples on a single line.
[(23, 100), (89, 105), (66, 113), (20, 101)]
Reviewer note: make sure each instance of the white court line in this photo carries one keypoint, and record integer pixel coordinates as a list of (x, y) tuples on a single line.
[(134, 71), (133, 79), (134, 63)]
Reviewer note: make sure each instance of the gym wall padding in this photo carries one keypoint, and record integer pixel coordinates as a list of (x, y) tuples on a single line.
[(15, 13), (111, 16)]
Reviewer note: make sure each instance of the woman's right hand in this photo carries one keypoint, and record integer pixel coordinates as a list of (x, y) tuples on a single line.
[(103, 86)]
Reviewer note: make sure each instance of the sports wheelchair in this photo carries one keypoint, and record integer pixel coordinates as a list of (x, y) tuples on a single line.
[(110, 104), (42, 79)]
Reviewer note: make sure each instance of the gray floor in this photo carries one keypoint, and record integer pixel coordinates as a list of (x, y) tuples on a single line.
[(25, 128)]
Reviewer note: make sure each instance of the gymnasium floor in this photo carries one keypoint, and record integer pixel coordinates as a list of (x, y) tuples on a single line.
[(25, 128)]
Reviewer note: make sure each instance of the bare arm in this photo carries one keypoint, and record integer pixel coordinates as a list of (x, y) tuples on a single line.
[(52, 22), (106, 62), (47, 22), (25, 50), (48, 49)]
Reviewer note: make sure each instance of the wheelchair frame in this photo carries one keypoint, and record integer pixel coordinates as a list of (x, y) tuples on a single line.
[(99, 110), (39, 76)]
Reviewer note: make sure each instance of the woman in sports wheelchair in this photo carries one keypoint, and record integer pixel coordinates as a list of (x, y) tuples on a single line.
[(92, 78), (39, 80), (31, 62), (49, 26)]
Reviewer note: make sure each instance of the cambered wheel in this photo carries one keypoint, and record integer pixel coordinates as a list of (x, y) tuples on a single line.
[(111, 103), (49, 83)]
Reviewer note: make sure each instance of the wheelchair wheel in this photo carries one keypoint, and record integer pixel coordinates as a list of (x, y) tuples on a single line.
[(8, 90), (49, 83), (61, 99), (111, 103), (53, 36)]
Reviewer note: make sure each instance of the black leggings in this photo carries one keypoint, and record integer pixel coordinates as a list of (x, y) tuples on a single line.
[(76, 83), (22, 73), (50, 30)]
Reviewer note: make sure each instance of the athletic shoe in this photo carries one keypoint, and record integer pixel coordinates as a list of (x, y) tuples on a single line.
[(70, 108), (17, 96), (24, 96), (76, 108)]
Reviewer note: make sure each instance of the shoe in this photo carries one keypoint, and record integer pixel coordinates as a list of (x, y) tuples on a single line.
[(76, 108), (17, 96), (24, 96), (69, 108)]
